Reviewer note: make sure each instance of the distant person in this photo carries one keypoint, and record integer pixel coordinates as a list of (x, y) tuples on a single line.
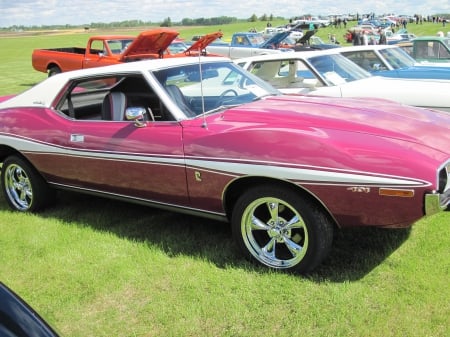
[(383, 39), (365, 38), (356, 38)]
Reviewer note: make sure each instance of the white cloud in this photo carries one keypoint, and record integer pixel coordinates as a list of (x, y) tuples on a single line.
[(58, 12)]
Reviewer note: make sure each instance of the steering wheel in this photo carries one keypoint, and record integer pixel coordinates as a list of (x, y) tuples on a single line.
[(222, 96)]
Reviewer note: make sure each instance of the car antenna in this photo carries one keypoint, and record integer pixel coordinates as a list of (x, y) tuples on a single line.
[(204, 125)]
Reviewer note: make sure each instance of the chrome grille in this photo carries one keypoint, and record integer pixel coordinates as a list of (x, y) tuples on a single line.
[(444, 185), (444, 178)]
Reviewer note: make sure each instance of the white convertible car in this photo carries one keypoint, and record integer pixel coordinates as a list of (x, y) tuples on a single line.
[(327, 73)]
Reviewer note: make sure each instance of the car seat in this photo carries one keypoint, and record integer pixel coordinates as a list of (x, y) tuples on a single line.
[(114, 105)]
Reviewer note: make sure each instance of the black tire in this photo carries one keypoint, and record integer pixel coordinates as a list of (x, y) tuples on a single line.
[(23, 187), (278, 228), (53, 71)]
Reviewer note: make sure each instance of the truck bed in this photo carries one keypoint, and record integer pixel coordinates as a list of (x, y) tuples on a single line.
[(58, 59), (72, 50)]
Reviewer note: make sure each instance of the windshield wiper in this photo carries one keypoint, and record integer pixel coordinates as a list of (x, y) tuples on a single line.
[(257, 98)]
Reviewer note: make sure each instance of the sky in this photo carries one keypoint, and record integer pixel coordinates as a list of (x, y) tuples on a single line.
[(83, 12)]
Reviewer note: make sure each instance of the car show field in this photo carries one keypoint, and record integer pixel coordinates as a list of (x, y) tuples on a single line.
[(93, 266)]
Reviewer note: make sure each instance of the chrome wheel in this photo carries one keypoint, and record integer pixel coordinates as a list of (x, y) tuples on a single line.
[(18, 187), (24, 188), (274, 232), (281, 227)]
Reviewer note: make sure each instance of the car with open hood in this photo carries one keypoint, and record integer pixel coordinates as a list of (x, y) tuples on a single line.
[(106, 50), (205, 137), (245, 44)]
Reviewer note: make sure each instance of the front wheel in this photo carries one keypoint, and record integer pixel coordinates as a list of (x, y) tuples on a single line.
[(24, 189), (279, 228)]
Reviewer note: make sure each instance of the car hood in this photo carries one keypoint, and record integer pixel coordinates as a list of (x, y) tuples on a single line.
[(306, 36), (275, 40), (149, 43), (203, 42), (377, 117), (431, 71), (420, 93)]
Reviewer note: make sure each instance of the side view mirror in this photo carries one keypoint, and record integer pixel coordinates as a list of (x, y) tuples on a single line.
[(136, 114)]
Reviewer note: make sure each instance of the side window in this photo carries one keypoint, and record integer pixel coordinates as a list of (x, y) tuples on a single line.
[(367, 60), (421, 49), (97, 47), (443, 53), (83, 100), (108, 98), (267, 71), (285, 74)]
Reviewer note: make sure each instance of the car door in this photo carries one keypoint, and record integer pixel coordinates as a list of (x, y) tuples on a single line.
[(119, 158)]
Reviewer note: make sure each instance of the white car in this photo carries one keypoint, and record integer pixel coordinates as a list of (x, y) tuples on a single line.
[(328, 73)]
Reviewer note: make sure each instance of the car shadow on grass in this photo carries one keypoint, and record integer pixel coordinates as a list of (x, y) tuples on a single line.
[(355, 251)]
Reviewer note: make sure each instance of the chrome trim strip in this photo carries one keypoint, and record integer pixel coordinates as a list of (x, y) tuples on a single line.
[(230, 166), (220, 216)]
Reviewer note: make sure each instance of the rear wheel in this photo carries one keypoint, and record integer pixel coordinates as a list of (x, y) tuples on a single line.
[(279, 228), (53, 71), (23, 187)]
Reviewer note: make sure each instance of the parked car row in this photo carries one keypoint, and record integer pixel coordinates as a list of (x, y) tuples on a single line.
[(330, 73), (392, 61)]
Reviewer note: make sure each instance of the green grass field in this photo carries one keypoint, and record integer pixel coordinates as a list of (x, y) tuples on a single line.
[(96, 267)]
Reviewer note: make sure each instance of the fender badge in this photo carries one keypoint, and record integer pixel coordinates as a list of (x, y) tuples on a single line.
[(359, 189), (198, 176)]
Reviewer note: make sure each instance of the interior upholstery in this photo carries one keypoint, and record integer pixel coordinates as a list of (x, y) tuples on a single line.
[(179, 99), (114, 105)]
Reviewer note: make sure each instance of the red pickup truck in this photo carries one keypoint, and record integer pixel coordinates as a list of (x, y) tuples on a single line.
[(111, 49)]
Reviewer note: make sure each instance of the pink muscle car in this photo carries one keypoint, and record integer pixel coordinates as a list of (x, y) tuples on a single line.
[(205, 137)]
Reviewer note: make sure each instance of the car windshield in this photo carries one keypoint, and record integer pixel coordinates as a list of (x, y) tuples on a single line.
[(210, 86), (118, 46), (397, 58), (446, 42), (336, 69), (177, 47)]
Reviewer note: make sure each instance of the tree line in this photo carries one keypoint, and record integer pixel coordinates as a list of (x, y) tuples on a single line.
[(167, 22)]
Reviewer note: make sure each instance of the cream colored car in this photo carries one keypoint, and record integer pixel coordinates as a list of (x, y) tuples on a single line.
[(328, 73)]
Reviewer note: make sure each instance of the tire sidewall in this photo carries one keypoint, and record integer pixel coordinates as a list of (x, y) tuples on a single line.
[(42, 194), (318, 226)]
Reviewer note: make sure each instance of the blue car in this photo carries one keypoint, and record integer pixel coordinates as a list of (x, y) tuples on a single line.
[(393, 61)]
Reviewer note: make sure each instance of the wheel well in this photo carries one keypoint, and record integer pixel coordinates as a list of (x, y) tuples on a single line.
[(52, 65), (6, 151), (239, 186)]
